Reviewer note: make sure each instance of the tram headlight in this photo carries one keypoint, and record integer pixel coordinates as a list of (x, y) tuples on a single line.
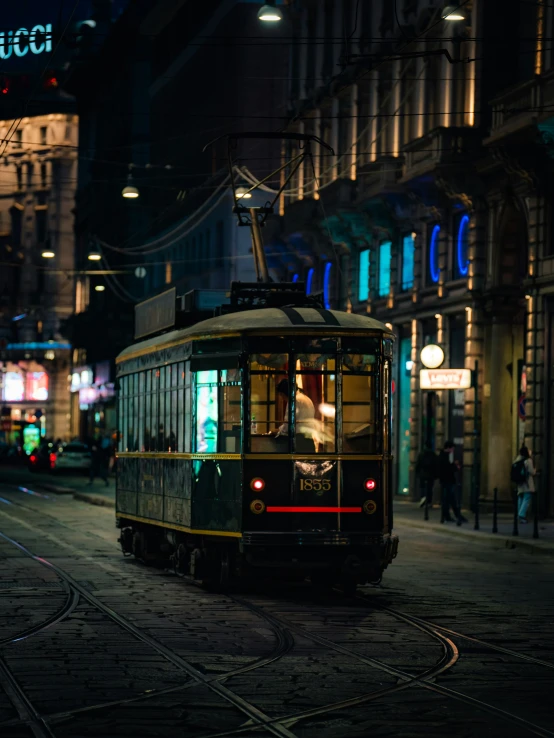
[(370, 485), (257, 484)]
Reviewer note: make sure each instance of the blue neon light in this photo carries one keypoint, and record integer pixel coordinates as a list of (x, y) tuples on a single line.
[(309, 282), (37, 346), (363, 276), (463, 262), (295, 278), (434, 255), (326, 279)]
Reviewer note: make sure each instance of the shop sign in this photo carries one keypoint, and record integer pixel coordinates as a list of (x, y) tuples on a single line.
[(80, 379), (442, 379), (21, 42)]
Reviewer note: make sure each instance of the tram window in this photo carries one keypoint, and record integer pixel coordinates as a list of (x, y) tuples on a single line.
[(147, 410), (230, 400), (268, 413), (359, 422), (187, 445), (386, 408), (140, 425), (154, 416), (206, 412), (268, 362), (315, 403), (135, 415)]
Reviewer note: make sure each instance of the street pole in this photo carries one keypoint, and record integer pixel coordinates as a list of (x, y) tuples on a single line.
[(476, 481), (258, 247)]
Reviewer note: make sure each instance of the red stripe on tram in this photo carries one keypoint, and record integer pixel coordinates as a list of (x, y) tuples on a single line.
[(314, 509)]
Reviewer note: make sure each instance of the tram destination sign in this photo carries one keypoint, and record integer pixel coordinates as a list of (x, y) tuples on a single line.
[(443, 379), (156, 314)]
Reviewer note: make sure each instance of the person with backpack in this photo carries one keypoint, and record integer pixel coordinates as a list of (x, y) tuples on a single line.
[(523, 472), (426, 471)]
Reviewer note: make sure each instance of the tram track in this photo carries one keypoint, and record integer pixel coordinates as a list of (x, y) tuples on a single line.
[(422, 680), (31, 717)]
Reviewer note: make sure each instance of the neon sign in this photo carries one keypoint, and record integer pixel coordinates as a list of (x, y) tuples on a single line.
[(20, 42)]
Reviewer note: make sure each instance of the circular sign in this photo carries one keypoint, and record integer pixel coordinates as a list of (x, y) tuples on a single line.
[(432, 356), (370, 506), (257, 507)]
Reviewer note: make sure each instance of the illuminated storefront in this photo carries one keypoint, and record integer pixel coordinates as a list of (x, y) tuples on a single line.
[(24, 389), (92, 401)]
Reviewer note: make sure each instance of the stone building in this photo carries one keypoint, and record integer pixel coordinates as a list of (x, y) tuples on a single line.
[(38, 173), (433, 213)]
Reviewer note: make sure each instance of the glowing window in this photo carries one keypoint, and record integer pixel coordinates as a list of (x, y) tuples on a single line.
[(326, 285), (363, 275), (309, 281), (206, 412), (408, 249), (384, 268)]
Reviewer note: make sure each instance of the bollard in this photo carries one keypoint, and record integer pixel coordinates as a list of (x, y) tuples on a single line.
[(536, 515), (495, 511), (515, 531), (476, 524)]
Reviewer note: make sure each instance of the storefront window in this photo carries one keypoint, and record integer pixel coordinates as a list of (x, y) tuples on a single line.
[(359, 395)]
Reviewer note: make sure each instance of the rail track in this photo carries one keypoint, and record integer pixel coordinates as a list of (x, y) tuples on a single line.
[(283, 630)]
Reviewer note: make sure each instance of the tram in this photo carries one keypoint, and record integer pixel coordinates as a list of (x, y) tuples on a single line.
[(258, 440)]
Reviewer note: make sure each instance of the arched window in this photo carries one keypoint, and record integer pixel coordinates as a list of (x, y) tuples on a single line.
[(462, 248)]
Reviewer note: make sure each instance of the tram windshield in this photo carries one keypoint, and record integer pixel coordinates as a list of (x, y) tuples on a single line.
[(304, 385)]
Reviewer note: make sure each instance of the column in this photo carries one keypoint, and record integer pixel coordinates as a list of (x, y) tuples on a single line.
[(442, 395), (473, 444)]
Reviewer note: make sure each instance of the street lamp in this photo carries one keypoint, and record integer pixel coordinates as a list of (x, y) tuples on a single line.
[(243, 192), (269, 13), (94, 255), (48, 254), (453, 13), (99, 288), (130, 191)]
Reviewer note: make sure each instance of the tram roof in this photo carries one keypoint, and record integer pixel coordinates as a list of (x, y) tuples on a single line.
[(301, 320)]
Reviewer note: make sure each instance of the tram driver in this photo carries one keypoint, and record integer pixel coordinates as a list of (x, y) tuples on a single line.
[(305, 419)]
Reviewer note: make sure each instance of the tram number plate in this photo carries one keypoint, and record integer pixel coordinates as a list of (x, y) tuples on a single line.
[(315, 485)]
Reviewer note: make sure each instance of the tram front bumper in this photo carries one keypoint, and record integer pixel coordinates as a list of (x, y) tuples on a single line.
[(316, 549)]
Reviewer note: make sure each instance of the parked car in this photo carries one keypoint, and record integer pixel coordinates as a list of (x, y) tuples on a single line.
[(39, 458), (71, 456)]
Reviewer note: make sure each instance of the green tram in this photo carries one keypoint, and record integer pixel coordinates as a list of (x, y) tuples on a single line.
[(259, 440)]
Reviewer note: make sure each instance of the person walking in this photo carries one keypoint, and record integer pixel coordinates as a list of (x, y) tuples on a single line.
[(426, 471), (99, 463), (523, 472), (447, 477)]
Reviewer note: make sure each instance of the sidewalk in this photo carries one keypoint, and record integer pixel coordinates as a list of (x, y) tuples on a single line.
[(62, 484), (410, 515)]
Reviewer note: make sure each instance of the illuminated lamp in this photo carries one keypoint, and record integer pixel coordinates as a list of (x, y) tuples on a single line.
[(242, 192), (94, 255), (130, 192), (463, 263), (47, 254), (33, 459), (257, 484), (326, 281), (370, 485), (269, 13), (434, 254), (99, 288), (453, 13), (309, 282)]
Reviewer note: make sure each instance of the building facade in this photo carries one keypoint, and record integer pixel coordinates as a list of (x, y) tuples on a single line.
[(433, 214), (37, 281)]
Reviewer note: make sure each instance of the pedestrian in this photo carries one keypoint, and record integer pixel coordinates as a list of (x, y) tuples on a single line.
[(99, 461), (305, 413), (426, 471), (447, 476), (523, 472)]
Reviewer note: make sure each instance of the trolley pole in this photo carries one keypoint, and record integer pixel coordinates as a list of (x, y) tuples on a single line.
[(258, 247)]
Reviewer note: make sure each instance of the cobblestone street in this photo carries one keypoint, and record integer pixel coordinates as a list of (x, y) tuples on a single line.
[(456, 641)]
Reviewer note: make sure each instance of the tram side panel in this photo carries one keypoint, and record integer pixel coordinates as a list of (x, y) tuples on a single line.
[(178, 492), (363, 490), (216, 496), (127, 486)]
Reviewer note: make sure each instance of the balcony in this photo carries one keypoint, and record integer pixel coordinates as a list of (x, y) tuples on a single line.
[(439, 149), (380, 176), (521, 107)]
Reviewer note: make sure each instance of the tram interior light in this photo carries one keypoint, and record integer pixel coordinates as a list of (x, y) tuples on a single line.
[(327, 410)]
